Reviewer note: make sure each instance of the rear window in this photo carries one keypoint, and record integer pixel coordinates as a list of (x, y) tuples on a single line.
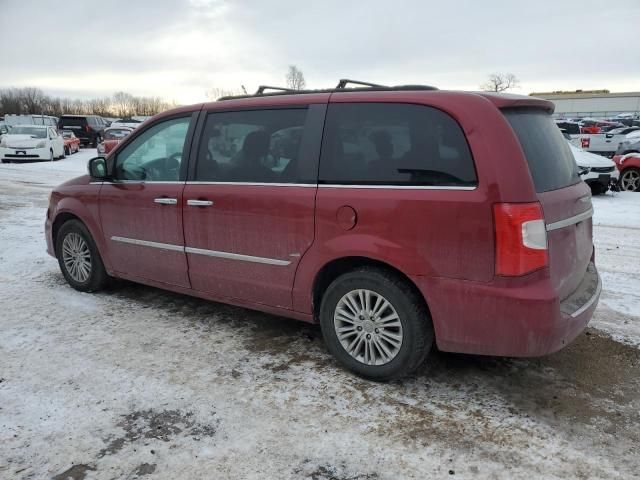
[(116, 134), (550, 160), (73, 121)]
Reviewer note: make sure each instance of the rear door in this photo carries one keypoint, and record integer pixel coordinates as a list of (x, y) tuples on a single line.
[(249, 207), (141, 209), (565, 199)]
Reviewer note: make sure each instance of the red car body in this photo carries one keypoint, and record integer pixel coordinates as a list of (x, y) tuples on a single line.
[(629, 167), (445, 242), (112, 137), (71, 142)]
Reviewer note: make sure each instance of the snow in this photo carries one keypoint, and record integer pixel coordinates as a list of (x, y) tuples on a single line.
[(136, 381)]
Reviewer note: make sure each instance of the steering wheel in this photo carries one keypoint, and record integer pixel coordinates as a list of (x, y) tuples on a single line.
[(166, 168)]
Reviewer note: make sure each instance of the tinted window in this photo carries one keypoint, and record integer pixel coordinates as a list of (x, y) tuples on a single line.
[(259, 146), (156, 154), (73, 121), (550, 160), (394, 144)]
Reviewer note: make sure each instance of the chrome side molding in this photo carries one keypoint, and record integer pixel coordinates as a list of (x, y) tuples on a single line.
[(202, 251)]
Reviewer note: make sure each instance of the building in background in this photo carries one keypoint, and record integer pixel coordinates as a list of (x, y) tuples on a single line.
[(592, 103)]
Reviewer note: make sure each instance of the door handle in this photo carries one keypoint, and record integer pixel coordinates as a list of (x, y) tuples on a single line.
[(166, 201), (199, 203)]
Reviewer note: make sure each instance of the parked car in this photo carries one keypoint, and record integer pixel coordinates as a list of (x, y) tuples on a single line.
[(608, 143), (46, 120), (426, 214), (629, 167), (126, 122), (31, 142), (598, 172), (88, 128), (630, 144), (113, 136), (71, 142), (572, 128)]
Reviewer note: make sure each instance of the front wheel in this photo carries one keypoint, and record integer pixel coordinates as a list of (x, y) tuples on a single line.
[(375, 324), (630, 180), (79, 259)]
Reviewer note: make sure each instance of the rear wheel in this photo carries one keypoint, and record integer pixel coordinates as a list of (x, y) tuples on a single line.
[(51, 157), (375, 324), (630, 180), (67, 151), (79, 259)]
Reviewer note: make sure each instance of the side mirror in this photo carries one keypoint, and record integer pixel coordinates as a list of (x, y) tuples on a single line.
[(98, 168)]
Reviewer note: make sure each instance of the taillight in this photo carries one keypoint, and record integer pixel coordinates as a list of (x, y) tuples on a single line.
[(521, 238), (585, 142), (87, 129)]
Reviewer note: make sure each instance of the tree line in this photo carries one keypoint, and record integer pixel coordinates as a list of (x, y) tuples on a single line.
[(32, 100)]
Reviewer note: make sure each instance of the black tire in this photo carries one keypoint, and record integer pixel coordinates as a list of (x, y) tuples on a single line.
[(598, 189), (417, 328), (67, 151), (96, 141), (97, 278)]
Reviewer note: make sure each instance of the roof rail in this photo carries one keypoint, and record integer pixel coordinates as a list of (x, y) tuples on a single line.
[(341, 87), (345, 81), (262, 88)]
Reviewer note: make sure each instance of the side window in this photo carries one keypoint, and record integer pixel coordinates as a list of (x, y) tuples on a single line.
[(259, 146), (156, 154), (394, 144)]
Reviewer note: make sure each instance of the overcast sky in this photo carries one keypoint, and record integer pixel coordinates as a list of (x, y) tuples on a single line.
[(178, 49)]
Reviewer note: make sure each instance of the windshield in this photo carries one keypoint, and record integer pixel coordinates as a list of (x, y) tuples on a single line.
[(35, 132)]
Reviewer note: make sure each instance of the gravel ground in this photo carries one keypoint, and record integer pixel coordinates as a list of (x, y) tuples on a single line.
[(137, 382)]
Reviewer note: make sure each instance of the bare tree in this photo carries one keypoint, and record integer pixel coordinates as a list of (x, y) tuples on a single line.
[(33, 100), (214, 93), (500, 82), (295, 78)]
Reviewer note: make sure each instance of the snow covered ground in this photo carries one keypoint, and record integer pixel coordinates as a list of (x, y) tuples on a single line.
[(136, 382)]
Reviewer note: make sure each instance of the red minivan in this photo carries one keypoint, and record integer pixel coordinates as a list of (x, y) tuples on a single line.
[(395, 217)]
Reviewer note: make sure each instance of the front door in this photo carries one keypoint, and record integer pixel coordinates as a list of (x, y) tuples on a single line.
[(141, 209), (249, 211)]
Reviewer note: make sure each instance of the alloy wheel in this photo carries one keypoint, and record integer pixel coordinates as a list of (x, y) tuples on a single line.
[(368, 327), (630, 180), (76, 257)]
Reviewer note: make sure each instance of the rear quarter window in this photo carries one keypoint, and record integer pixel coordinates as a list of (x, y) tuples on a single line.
[(548, 155), (394, 144)]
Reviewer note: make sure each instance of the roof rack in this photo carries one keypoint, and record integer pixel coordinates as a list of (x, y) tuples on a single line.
[(341, 87), (262, 88), (345, 81)]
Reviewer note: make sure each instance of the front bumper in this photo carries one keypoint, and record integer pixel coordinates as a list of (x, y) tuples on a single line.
[(24, 154), (526, 320)]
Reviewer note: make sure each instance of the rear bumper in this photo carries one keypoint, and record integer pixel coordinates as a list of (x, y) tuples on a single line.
[(526, 320)]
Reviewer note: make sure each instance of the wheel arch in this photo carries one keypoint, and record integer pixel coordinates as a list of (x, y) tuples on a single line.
[(68, 212), (339, 266)]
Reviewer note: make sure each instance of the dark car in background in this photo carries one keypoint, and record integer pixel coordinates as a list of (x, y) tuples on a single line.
[(88, 128)]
